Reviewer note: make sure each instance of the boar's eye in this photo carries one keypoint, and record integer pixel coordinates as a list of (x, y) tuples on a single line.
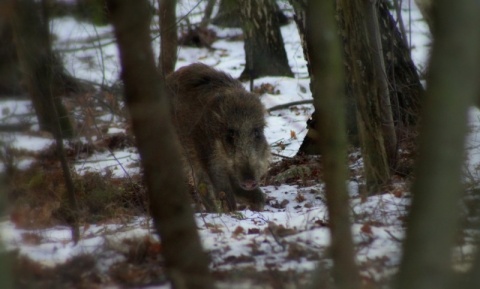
[(257, 133), (231, 133)]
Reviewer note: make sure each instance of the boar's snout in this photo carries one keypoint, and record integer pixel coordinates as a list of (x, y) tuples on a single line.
[(249, 185)]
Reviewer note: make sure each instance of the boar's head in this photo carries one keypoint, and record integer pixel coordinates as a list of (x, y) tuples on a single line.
[(240, 119)]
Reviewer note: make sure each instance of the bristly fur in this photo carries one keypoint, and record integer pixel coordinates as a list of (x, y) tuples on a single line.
[(220, 128)]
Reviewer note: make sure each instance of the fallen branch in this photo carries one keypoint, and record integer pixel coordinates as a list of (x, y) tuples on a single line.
[(287, 105)]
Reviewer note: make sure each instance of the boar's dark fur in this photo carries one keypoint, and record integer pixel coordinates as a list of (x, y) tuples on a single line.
[(220, 129)]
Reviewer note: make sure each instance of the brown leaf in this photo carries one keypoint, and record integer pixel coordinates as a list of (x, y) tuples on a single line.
[(253, 231), (293, 135), (238, 230), (366, 229)]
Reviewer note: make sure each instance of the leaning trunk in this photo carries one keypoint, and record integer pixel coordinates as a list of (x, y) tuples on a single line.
[(186, 263), (327, 85), (168, 36), (38, 63)]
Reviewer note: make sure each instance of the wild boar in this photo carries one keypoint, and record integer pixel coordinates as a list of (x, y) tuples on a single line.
[(220, 127)]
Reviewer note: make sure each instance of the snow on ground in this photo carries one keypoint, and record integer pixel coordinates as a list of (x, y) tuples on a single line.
[(291, 234)]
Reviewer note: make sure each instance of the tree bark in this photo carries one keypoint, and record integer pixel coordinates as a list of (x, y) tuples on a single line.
[(6, 280), (36, 56), (328, 90), (383, 94), (187, 264), (406, 89), (264, 48), (452, 84), (10, 74), (228, 14), (32, 40), (168, 36), (367, 91), (402, 80), (425, 7)]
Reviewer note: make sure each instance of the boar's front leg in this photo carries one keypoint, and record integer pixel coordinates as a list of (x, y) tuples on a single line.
[(223, 189), (206, 192)]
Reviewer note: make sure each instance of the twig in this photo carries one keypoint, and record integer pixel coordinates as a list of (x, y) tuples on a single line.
[(393, 237), (16, 127), (281, 156), (287, 105)]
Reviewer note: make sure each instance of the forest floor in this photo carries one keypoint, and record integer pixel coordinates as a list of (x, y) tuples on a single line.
[(278, 247)]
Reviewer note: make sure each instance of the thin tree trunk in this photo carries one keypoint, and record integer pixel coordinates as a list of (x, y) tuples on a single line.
[(6, 280), (32, 40), (406, 89), (383, 94), (35, 54), (364, 80), (425, 7), (452, 84), (207, 15), (328, 89), (168, 36), (170, 206)]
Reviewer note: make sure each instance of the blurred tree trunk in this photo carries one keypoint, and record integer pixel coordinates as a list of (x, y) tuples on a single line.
[(473, 277), (6, 280), (328, 90), (264, 48), (368, 92), (35, 55), (425, 7), (187, 264), (10, 70), (32, 39), (228, 14), (168, 36), (452, 84)]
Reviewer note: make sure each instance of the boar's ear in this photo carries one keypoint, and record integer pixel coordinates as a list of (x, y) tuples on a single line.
[(217, 109)]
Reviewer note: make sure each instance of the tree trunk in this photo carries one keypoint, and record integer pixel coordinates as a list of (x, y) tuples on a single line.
[(228, 14), (473, 277), (187, 264), (6, 280), (328, 89), (403, 81), (168, 36), (10, 71), (35, 54), (367, 90), (32, 40), (381, 81), (425, 7), (207, 15), (264, 48), (452, 84), (10, 74)]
